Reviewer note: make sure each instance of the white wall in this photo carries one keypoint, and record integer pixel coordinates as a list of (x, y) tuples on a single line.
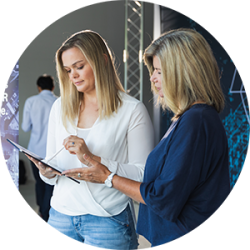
[(108, 19)]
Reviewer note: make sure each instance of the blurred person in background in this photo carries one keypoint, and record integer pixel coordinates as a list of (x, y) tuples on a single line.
[(35, 119)]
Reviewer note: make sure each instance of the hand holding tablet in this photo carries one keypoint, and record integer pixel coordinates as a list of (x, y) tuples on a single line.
[(45, 169)]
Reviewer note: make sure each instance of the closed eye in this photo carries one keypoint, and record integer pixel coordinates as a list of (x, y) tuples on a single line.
[(79, 68), (157, 70)]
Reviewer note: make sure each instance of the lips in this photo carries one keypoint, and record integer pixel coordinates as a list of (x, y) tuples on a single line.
[(78, 83)]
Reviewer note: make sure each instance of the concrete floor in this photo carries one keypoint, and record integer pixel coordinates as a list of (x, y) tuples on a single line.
[(28, 192)]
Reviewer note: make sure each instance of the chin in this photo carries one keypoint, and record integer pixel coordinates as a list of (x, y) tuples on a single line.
[(80, 88)]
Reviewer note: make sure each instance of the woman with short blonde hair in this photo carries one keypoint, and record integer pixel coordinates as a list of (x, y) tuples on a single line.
[(186, 176), (94, 116), (190, 71)]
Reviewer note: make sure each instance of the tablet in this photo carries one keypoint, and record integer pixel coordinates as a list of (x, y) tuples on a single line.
[(38, 158)]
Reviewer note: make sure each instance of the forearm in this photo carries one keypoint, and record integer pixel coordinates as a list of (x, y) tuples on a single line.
[(128, 187), (96, 158), (98, 173), (128, 170), (49, 181)]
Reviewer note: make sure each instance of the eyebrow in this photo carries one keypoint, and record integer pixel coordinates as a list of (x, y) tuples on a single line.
[(157, 68), (74, 63)]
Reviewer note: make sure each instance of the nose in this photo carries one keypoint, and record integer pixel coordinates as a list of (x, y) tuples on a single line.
[(153, 78), (73, 74)]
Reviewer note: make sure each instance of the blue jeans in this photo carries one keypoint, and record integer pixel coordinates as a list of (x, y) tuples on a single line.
[(116, 232)]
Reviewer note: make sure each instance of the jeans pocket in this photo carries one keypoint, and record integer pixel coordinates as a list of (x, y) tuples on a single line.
[(121, 218)]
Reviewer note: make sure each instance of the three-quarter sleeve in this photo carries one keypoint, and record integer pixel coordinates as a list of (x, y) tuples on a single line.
[(186, 176), (140, 141), (178, 170)]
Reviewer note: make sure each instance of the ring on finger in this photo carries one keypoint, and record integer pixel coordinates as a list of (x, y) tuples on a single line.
[(73, 143), (79, 175)]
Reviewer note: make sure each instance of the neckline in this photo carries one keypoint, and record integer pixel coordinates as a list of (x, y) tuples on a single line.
[(77, 119), (91, 126), (45, 91)]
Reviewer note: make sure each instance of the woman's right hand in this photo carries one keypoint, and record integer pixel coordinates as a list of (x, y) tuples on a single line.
[(44, 170)]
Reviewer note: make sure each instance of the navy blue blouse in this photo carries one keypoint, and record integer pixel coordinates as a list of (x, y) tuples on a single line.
[(186, 176)]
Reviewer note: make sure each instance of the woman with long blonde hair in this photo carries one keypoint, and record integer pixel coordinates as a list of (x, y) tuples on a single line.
[(94, 116), (187, 174)]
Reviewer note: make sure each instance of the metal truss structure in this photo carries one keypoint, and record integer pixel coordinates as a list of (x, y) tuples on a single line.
[(132, 54)]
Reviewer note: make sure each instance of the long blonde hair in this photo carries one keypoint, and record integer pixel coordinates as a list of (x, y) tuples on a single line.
[(189, 71), (107, 82)]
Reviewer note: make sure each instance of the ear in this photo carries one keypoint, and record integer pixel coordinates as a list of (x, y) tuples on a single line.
[(39, 89)]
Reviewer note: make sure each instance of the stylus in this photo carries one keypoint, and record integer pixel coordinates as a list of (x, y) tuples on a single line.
[(46, 161)]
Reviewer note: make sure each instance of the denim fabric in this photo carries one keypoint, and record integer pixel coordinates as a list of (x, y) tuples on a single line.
[(116, 232)]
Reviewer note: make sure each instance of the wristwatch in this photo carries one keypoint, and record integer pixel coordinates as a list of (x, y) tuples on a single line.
[(108, 181)]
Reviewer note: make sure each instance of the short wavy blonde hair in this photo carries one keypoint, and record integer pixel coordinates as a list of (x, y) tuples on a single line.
[(189, 71), (107, 82)]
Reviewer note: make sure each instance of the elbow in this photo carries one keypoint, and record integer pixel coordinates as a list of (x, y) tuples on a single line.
[(25, 129), (140, 175), (135, 172)]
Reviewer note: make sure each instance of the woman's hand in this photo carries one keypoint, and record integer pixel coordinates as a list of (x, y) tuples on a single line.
[(44, 170), (77, 146), (96, 172)]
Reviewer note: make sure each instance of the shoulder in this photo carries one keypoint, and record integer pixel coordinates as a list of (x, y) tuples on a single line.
[(131, 109), (127, 98), (52, 95), (199, 112), (129, 102), (201, 117), (30, 100)]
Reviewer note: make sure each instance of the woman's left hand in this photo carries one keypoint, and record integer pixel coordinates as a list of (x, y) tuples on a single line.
[(96, 172), (77, 146)]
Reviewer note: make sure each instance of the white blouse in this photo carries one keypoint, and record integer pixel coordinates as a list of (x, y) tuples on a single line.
[(123, 142)]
